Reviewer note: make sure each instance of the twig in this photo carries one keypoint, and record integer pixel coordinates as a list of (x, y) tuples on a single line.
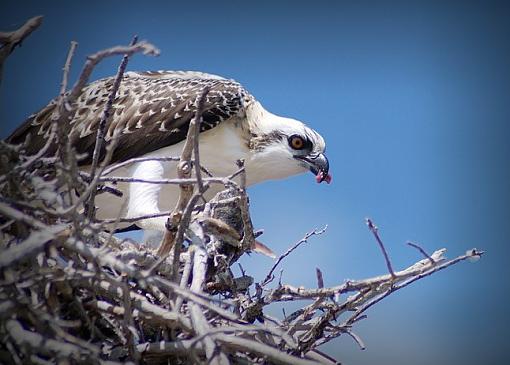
[(128, 322), (115, 223), (374, 230), (248, 241), (178, 181), (15, 38), (369, 299), (101, 129), (92, 185), (179, 235), (186, 190), (197, 316), (59, 123), (188, 263), (286, 291), (320, 280), (197, 122), (41, 344), (269, 275), (356, 339), (117, 166), (10, 40), (55, 130), (166, 348), (34, 244), (185, 202), (66, 69), (94, 59), (423, 252), (104, 259), (261, 349), (21, 217), (133, 219), (141, 303), (200, 323)]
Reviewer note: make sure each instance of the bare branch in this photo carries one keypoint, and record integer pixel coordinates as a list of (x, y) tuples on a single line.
[(197, 317), (195, 125), (93, 60), (59, 122), (26, 249), (101, 129), (40, 343), (117, 166), (66, 69), (60, 104), (16, 37), (315, 232), (357, 339), (21, 217), (287, 291), (186, 190), (10, 40), (133, 219), (422, 251), (374, 230), (320, 280), (178, 181)]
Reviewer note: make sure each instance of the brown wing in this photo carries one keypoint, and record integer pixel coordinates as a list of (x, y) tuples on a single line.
[(152, 110)]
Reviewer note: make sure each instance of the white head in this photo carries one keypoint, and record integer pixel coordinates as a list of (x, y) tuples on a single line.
[(282, 147)]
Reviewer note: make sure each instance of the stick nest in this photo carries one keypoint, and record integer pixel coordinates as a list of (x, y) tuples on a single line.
[(71, 291)]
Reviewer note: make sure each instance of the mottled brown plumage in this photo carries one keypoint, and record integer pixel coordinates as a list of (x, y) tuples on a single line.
[(155, 107), (150, 117)]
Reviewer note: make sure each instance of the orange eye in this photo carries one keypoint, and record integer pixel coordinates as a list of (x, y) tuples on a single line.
[(296, 142)]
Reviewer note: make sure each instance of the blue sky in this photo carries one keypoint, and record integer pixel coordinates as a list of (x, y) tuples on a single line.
[(413, 101)]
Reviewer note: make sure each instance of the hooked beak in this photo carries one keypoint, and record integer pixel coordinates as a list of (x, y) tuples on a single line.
[(318, 165)]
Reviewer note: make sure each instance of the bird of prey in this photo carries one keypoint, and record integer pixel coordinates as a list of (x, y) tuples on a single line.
[(151, 115)]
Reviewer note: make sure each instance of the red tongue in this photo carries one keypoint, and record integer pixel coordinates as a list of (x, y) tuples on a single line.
[(320, 178)]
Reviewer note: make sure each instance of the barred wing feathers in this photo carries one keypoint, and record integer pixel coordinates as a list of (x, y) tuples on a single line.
[(151, 110)]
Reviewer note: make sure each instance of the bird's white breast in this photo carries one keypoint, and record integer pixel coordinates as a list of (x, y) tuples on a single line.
[(220, 148)]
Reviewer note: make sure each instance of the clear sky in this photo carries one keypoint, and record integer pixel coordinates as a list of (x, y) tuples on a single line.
[(413, 101)]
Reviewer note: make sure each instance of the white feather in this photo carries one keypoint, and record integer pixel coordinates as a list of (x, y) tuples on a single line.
[(220, 148)]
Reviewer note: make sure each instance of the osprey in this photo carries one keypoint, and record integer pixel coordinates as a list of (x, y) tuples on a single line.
[(151, 115)]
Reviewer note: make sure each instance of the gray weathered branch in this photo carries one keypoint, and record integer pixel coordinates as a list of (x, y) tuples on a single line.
[(10, 40)]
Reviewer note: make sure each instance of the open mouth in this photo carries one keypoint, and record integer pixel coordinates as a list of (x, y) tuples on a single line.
[(321, 176), (319, 165)]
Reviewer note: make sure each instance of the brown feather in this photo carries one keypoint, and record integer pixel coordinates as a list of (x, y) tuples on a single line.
[(151, 110)]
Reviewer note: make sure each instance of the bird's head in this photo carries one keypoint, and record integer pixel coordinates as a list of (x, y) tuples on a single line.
[(282, 147)]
